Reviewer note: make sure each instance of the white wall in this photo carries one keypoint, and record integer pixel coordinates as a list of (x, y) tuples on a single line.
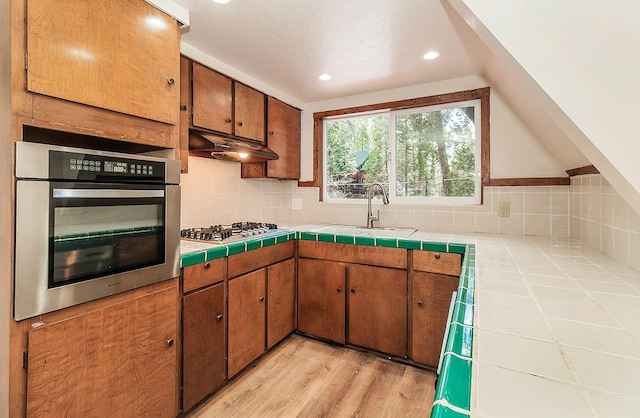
[(603, 220), (579, 60), (515, 151), (213, 193), (6, 164)]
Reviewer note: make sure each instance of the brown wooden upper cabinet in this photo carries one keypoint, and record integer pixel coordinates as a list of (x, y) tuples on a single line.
[(283, 138), (119, 55), (224, 105), (283, 127)]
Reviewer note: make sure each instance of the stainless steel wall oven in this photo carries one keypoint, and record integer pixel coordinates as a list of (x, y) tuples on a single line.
[(90, 224)]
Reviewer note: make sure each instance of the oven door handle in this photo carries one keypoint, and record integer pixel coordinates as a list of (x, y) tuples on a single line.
[(105, 193)]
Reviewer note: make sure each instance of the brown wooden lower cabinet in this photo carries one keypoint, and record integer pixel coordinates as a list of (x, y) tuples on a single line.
[(321, 299), (204, 347), (377, 309), (115, 361), (247, 320), (431, 298), (281, 301)]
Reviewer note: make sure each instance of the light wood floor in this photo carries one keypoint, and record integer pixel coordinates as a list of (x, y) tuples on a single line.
[(306, 378)]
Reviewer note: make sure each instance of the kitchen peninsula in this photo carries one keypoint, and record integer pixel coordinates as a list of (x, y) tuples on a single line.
[(531, 292)]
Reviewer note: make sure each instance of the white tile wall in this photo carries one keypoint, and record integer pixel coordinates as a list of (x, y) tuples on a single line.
[(214, 193), (540, 210), (601, 219)]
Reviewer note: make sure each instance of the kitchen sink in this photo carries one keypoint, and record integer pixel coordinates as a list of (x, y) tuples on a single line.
[(369, 232)]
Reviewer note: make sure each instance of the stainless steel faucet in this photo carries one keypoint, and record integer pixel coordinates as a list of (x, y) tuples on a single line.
[(385, 200)]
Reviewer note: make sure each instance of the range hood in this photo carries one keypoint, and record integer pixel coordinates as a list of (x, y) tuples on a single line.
[(210, 145)]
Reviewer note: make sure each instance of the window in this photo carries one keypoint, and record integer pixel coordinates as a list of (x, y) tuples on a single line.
[(430, 150)]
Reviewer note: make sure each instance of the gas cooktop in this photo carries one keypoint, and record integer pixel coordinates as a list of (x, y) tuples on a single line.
[(225, 234)]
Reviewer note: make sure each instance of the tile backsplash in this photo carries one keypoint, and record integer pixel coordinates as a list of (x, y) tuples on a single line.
[(213, 193), (602, 219)]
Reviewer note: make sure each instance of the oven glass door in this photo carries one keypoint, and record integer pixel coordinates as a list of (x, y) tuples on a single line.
[(97, 230)]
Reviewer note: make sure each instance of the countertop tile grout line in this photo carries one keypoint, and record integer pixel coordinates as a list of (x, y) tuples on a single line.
[(563, 353)]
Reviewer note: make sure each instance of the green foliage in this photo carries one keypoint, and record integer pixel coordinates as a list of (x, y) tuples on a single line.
[(435, 153), (345, 137)]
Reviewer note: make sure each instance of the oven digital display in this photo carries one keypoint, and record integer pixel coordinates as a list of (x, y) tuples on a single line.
[(87, 167), (115, 167)]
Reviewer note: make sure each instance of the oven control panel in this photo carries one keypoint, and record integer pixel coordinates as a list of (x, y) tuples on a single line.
[(87, 167)]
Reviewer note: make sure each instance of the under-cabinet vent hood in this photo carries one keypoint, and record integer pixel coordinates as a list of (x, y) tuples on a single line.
[(209, 145)]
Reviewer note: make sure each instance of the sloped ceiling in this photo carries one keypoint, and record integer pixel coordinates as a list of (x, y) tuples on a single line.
[(579, 61), (367, 45)]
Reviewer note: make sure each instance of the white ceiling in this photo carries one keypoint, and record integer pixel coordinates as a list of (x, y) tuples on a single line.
[(367, 45)]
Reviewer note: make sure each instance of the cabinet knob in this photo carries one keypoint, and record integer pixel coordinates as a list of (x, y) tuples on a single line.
[(437, 256), (353, 290), (183, 107), (171, 81), (420, 303), (207, 265), (339, 290), (239, 123), (228, 120), (271, 133), (261, 298), (170, 342), (219, 318)]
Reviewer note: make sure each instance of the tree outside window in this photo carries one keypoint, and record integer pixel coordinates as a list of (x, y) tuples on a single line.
[(428, 154)]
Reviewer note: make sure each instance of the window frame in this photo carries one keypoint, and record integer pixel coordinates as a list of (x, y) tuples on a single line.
[(481, 94)]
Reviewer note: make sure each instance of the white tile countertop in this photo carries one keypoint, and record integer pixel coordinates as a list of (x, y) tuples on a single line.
[(557, 330)]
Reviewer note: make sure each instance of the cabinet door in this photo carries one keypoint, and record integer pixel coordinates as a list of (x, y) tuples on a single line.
[(431, 297), (281, 302), (283, 127), (203, 355), (321, 299), (116, 361), (249, 113), (246, 320), (377, 309), (118, 55), (212, 99)]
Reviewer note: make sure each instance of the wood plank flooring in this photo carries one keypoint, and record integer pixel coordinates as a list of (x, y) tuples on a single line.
[(306, 378)]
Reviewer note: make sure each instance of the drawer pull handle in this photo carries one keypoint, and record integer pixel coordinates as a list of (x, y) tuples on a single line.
[(228, 120), (171, 81), (261, 298), (207, 265), (240, 123), (437, 256), (420, 303), (353, 290), (219, 318), (339, 290), (170, 342)]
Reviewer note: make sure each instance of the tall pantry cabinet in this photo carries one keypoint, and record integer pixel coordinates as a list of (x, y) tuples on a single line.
[(102, 75)]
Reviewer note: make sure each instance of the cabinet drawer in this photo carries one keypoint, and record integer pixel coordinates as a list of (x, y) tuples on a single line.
[(436, 262), (262, 257), (203, 274), (357, 254)]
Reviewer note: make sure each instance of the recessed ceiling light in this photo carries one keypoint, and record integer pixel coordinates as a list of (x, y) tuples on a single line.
[(431, 55), (324, 77), (221, 1)]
